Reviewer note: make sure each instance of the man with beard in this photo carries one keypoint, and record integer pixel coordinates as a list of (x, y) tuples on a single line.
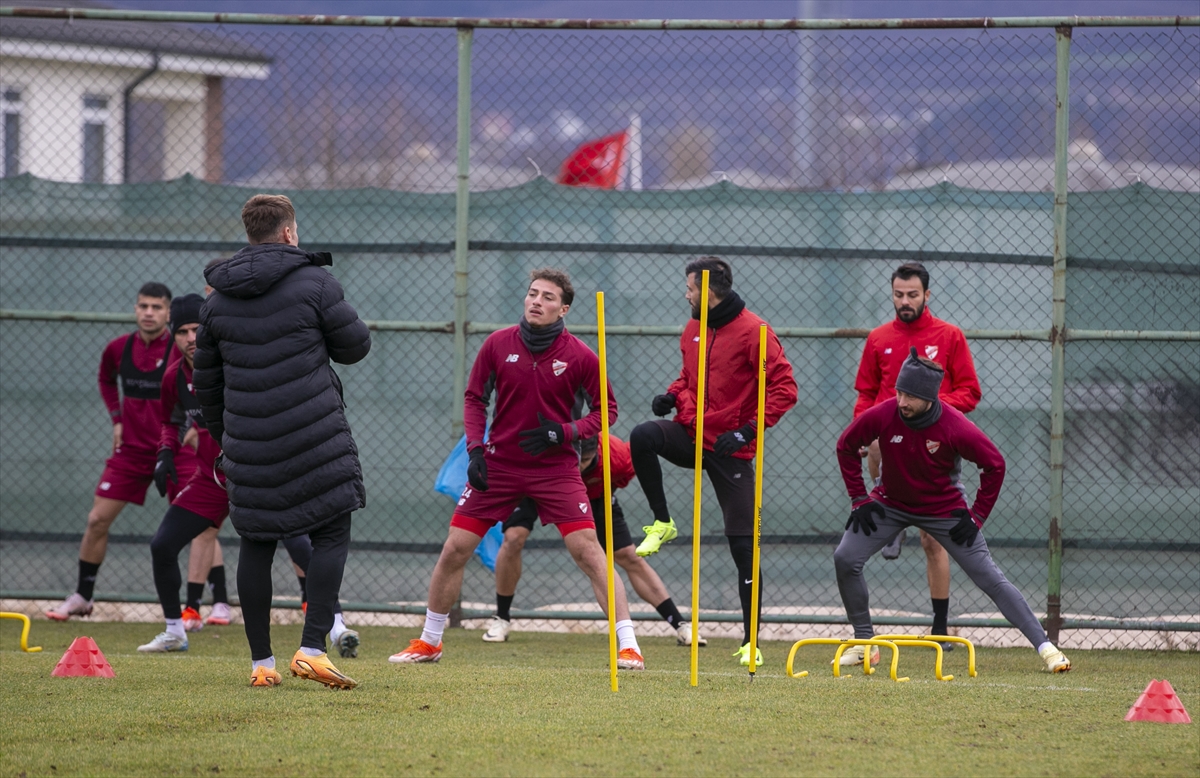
[(915, 326), (730, 416), (923, 442)]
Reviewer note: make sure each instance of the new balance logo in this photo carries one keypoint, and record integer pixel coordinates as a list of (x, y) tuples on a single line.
[(897, 438), (512, 358)]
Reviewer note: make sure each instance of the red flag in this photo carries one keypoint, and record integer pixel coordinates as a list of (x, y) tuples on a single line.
[(597, 163)]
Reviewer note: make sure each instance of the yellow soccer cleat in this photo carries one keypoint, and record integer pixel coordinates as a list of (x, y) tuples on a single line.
[(265, 676), (743, 655), (656, 534), (1055, 660), (318, 668)]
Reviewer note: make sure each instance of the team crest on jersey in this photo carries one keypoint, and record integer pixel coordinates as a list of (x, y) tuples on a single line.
[(583, 506), (931, 352), (887, 350), (932, 446), (558, 366)]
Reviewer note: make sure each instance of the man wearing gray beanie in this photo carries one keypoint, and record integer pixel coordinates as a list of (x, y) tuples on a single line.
[(923, 442)]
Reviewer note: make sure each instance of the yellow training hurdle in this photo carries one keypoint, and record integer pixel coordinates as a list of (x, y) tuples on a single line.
[(922, 640), (24, 631), (842, 646)]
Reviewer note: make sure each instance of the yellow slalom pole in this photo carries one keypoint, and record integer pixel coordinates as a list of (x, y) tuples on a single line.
[(701, 369), (604, 463), (760, 428)]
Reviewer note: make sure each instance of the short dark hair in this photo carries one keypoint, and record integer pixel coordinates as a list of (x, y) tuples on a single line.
[(910, 269), (557, 277), (265, 215), (589, 445), (155, 289), (720, 275)]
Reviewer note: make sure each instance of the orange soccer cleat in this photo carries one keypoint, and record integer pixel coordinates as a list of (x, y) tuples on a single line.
[(418, 651), (318, 668), (265, 676), (192, 621), (630, 659)]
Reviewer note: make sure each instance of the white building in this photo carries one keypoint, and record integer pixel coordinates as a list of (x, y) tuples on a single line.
[(67, 89)]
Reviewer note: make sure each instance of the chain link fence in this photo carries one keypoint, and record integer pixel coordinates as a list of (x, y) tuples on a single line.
[(816, 161)]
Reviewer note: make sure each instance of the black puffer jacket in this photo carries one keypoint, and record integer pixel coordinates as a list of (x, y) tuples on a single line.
[(269, 394)]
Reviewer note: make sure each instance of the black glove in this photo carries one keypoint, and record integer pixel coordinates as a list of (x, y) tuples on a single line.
[(963, 533), (477, 470), (164, 469), (860, 517), (734, 440), (538, 440), (662, 404)]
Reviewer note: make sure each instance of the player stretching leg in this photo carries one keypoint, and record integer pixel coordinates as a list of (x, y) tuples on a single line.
[(202, 504), (922, 442), (131, 371), (645, 581), (536, 370), (731, 402)]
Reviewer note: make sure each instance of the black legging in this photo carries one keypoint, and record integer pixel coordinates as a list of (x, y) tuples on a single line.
[(330, 545), (178, 528), (300, 550)]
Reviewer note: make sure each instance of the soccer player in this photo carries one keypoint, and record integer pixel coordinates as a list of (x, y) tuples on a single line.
[(884, 353), (202, 504), (730, 414), (262, 375), (645, 581), (536, 370), (922, 443), (131, 372)]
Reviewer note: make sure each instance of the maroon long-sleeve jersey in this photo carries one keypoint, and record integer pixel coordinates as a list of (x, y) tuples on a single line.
[(922, 468), (526, 384), (130, 376), (179, 409)]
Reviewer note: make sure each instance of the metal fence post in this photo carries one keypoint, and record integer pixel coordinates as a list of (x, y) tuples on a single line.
[(462, 198), (1062, 127)]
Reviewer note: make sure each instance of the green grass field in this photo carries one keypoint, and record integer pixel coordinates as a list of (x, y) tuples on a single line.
[(541, 705)]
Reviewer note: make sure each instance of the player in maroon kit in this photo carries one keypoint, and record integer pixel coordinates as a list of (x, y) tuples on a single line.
[(131, 372), (922, 442), (202, 502), (536, 369), (645, 581), (915, 326)]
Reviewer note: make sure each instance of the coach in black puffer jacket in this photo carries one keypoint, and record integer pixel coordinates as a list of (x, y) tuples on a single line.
[(264, 380)]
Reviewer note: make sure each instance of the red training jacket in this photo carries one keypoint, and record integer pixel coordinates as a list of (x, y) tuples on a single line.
[(138, 417), (622, 470), (173, 423), (731, 389), (887, 347), (922, 468), (526, 384)]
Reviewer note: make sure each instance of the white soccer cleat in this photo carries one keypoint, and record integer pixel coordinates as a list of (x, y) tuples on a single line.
[(683, 635), (346, 644), (853, 656), (1056, 661), (497, 631), (220, 615), (74, 605), (163, 643)]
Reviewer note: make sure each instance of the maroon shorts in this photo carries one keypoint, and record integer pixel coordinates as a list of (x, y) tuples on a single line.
[(126, 477), (560, 495), (204, 496)]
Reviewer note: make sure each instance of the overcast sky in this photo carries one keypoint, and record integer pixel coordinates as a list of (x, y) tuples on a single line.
[(677, 9)]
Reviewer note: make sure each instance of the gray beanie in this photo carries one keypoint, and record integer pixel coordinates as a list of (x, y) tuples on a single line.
[(918, 379)]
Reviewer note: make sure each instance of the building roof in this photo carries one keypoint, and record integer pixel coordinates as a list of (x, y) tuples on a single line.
[(140, 36)]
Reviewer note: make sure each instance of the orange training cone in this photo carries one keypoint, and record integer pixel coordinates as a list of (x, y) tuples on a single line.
[(83, 659), (1159, 703)]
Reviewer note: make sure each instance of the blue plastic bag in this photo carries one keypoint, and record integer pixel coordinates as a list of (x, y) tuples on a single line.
[(451, 481)]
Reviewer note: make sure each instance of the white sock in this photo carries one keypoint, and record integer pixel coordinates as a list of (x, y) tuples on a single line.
[(1043, 646), (175, 627), (268, 663), (339, 626), (435, 625), (625, 637), (311, 651)]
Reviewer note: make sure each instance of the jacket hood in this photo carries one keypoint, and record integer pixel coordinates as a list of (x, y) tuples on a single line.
[(255, 269)]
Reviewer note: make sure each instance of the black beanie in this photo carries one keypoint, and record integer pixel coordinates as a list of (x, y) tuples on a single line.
[(918, 379), (185, 310)]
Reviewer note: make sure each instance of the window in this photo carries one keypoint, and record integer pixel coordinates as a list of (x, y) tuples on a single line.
[(10, 141), (95, 120)]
